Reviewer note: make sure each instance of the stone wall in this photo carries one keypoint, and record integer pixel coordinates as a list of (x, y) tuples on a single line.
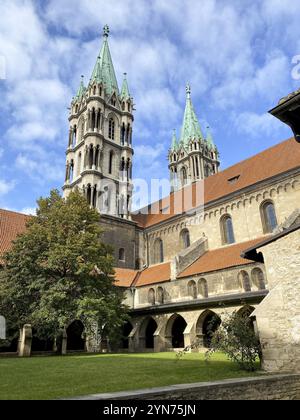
[(277, 387), (244, 209), (278, 316), (220, 283), (120, 233)]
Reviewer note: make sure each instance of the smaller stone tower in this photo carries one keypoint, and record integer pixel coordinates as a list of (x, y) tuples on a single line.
[(192, 157)]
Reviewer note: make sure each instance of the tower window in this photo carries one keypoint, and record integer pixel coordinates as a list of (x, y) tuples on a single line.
[(268, 216), (158, 256), (183, 176), (122, 254), (227, 232), (185, 239), (111, 160), (111, 129)]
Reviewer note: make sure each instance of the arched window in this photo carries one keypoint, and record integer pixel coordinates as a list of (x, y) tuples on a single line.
[(245, 281), (258, 279), (158, 251), (268, 215), (227, 230), (151, 297), (111, 161), (185, 239), (203, 288), (160, 295), (122, 254), (71, 177), (183, 175), (192, 289), (111, 129), (94, 91), (79, 160)]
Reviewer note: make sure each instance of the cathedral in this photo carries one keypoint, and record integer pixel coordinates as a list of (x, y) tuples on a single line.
[(182, 260)]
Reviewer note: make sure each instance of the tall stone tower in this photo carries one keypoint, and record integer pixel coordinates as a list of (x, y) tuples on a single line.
[(99, 153), (193, 157)]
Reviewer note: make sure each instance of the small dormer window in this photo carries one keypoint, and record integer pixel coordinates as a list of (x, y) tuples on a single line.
[(234, 179)]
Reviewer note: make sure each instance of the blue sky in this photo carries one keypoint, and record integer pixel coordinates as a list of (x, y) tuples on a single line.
[(237, 56)]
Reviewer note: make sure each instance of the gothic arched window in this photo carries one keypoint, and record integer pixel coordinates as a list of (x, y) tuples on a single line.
[(111, 129), (258, 279), (183, 174), (185, 239), (158, 251), (245, 281), (192, 289), (203, 288), (227, 232), (268, 216), (160, 295), (151, 296)]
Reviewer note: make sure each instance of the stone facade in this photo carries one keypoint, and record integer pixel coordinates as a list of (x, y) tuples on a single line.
[(278, 316)]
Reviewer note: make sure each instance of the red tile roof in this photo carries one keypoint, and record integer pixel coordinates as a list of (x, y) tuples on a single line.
[(125, 277), (11, 224), (220, 259), (276, 160), (155, 274)]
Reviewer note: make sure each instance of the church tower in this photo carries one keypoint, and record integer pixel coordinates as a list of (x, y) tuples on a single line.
[(192, 157), (99, 153)]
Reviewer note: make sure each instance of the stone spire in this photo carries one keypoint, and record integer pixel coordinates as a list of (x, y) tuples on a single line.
[(210, 140), (81, 90), (104, 69), (191, 127), (174, 145), (125, 90)]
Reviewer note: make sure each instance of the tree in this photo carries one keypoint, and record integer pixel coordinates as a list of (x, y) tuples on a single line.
[(59, 271), (237, 339)]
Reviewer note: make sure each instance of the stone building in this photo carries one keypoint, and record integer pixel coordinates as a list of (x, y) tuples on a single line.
[(179, 259)]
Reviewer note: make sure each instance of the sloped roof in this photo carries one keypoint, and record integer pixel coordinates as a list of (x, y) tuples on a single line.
[(11, 225), (276, 160), (125, 277), (220, 259)]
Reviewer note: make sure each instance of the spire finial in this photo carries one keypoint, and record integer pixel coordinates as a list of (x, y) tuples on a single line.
[(188, 91), (106, 31)]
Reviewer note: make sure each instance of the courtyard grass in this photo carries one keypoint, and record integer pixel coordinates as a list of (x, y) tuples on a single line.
[(70, 376)]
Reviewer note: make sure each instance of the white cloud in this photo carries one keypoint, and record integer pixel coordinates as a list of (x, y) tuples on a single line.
[(6, 186), (256, 125)]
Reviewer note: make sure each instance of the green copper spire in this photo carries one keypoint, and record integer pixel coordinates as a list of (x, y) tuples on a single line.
[(174, 145), (191, 127), (209, 139), (104, 69), (125, 90), (81, 90)]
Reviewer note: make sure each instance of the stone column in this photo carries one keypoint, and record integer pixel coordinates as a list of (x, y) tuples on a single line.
[(25, 348)]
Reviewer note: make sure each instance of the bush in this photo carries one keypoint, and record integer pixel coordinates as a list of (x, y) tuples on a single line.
[(237, 339)]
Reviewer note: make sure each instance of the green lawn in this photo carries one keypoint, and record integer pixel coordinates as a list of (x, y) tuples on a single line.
[(57, 377)]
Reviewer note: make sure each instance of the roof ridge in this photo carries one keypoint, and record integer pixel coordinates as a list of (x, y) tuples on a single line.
[(16, 212)]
